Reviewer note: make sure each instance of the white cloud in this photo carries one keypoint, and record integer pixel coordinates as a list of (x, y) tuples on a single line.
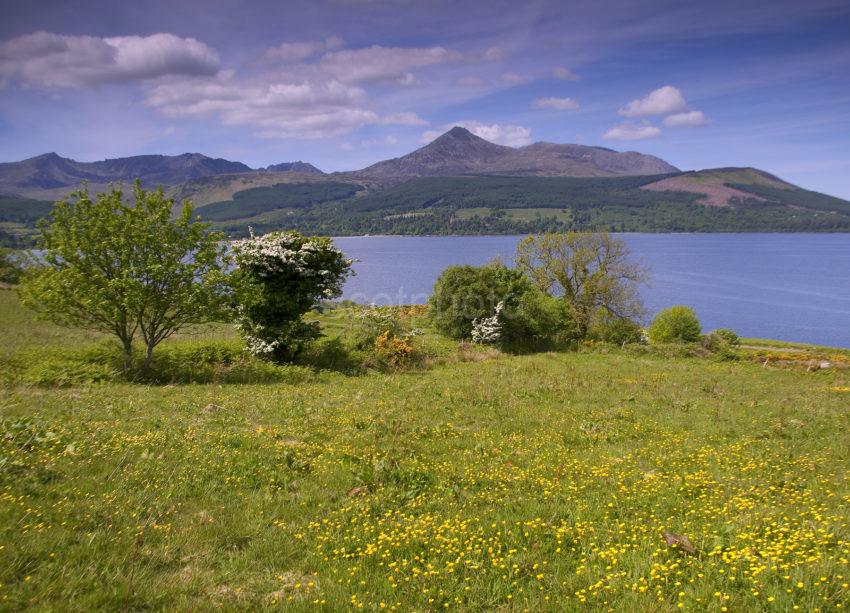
[(512, 77), (345, 146), (688, 119), (296, 51), (306, 109), (558, 104), (662, 101), (565, 74), (44, 59), (631, 131), (503, 134), (377, 63), (403, 119)]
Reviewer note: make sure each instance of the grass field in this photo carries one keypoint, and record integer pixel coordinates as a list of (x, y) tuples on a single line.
[(476, 481)]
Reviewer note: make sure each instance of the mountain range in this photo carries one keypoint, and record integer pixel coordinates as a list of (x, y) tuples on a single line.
[(459, 183)]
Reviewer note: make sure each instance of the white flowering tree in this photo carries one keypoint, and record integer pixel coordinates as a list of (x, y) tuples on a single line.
[(278, 278)]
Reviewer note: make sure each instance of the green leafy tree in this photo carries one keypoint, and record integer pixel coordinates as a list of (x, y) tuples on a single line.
[(464, 294), (280, 277), (590, 271), (677, 324), (127, 269)]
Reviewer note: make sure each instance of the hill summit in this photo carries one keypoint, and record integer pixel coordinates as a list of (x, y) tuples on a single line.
[(460, 152)]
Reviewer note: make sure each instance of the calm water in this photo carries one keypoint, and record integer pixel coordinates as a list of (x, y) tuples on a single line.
[(793, 287)]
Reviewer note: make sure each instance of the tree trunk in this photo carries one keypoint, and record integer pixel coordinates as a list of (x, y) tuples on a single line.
[(128, 355), (148, 356)]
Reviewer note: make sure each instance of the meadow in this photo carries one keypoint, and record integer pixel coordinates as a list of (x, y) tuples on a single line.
[(604, 478)]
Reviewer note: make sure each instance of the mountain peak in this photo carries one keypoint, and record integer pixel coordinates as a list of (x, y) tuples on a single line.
[(460, 132)]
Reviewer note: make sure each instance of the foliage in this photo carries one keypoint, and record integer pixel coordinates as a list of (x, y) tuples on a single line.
[(126, 270), (464, 294), (676, 324), (719, 345), (616, 330), (730, 336), (590, 272), (395, 351), (280, 277), (366, 324), (11, 266)]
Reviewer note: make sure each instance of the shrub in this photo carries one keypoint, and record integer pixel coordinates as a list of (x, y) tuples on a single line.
[(537, 321), (729, 336), (617, 330), (719, 346), (368, 323), (464, 294), (280, 277), (394, 351), (11, 267), (675, 324)]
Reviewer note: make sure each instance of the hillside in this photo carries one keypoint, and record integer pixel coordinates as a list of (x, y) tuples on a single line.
[(51, 176), (459, 152), (679, 202), (457, 184), (478, 481)]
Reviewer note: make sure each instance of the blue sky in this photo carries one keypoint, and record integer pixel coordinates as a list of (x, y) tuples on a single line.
[(344, 84)]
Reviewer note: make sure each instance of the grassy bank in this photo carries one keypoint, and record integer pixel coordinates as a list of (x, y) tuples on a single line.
[(476, 481)]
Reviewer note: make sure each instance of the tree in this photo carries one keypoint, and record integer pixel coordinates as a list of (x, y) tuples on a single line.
[(590, 271), (279, 277), (127, 269), (464, 294), (677, 324)]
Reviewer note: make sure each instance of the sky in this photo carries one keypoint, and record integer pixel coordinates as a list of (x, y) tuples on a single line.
[(343, 84)]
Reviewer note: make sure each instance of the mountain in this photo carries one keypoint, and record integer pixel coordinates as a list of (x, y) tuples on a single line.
[(460, 152), (45, 174), (298, 166)]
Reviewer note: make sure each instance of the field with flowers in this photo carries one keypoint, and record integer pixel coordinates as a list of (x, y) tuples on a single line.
[(598, 479)]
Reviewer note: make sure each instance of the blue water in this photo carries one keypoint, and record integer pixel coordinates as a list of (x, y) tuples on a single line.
[(793, 287)]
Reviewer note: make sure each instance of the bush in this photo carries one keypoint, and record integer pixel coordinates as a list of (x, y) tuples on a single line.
[(278, 279), (11, 267), (368, 323), (537, 321), (464, 294), (677, 324), (729, 336), (719, 346), (618, 331), (393, 351)]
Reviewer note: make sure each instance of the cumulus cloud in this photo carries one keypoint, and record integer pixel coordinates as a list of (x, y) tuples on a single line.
[(297, 51), (565, 74), (503, 134), (631, 131), (558, 104), (688, 119), (662, 101), (306, 109), (377, 63), (44, 59)]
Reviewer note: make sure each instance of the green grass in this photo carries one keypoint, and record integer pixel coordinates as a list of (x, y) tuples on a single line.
[(477, 481)]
